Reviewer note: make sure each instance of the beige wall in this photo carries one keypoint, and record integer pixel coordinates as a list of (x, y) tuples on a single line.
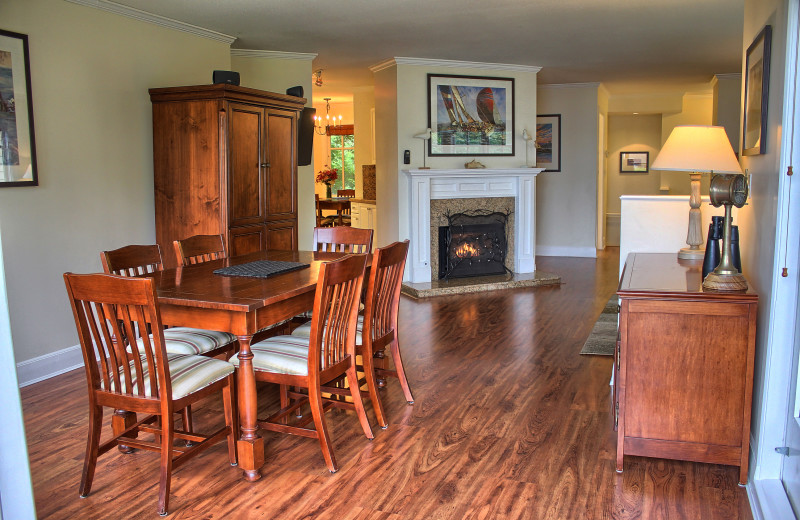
[(363, 107), (402, 112), (640, 133), (90, 71), (566, 201), (727, 99), (697, 109), (276, 75)]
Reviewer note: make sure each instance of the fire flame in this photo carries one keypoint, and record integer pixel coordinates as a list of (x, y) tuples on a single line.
[(465, 250)]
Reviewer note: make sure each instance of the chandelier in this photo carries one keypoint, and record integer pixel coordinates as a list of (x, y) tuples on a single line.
[(330, 121)]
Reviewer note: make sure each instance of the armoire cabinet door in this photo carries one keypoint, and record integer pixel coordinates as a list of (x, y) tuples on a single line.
[(281, 180), (246, 164), (247, 239)]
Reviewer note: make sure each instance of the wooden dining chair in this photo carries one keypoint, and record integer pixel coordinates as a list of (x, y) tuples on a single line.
[(138, 260), (199, 248), (377, 327), (345, 214), (154, 383), (322, 220), (343, 239), (306, 364)]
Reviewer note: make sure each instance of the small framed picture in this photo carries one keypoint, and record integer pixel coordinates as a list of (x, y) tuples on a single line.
[(548, 142), (756, 94), (634, 162)]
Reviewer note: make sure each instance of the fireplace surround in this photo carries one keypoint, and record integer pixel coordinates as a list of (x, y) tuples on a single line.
[(518, 184)]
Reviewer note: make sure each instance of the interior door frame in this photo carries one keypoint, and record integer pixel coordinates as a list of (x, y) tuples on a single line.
[(765, 490)]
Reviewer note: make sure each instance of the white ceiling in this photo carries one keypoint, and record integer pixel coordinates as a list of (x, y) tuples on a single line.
[(629, 45)]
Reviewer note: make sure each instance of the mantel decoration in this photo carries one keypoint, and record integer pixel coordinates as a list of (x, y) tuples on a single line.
[(756, 94), (470, 115), (327, 177), (548, 142), (17, 147)]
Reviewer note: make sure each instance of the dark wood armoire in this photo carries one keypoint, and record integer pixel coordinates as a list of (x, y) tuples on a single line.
[(225, 162)]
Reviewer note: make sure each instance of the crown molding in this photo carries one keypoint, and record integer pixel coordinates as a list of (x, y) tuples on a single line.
[(570, 85), (454, 64), (136, 14), (729, 75), (274, 55)]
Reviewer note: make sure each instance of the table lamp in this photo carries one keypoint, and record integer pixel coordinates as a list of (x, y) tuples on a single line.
[(698, 150), (424, 136)]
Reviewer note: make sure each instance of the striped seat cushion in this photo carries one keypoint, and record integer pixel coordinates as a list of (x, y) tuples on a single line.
[(304, 330), (281, 355), (186, 340), (188, 374)]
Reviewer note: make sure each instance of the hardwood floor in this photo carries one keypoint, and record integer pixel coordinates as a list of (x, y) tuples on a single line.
[(509, 422)]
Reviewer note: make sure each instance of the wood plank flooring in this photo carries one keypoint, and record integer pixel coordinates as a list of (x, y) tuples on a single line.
[(509, 422)]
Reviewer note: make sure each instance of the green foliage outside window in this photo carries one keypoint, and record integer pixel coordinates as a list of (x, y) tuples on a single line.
[(343, 159)]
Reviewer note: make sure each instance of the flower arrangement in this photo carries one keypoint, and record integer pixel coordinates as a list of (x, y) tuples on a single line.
[(327, 176)]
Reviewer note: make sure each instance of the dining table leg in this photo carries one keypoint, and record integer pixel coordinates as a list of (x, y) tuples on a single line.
[(250, 446)]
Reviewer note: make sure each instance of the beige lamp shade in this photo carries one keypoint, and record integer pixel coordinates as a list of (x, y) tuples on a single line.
[(697, 149)]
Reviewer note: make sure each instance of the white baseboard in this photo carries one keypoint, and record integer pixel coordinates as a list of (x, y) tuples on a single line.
[(768, 500), (583, 252), (49, 365)]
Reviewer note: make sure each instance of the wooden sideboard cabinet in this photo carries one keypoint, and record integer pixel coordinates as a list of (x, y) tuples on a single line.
[(225, 162), (684, 365)]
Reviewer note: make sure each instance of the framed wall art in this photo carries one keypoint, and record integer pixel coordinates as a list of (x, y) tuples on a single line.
[(756, 94), (470, 115), (548, 142), (17, 148), (634, 162)]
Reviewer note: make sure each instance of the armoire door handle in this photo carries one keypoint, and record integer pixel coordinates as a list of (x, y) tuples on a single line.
[(265, 165)]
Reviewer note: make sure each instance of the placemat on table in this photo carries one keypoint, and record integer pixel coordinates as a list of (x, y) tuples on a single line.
[(260, 268)]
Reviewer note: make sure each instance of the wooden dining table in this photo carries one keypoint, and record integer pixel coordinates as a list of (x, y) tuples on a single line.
[(193, 296), (341, 205)]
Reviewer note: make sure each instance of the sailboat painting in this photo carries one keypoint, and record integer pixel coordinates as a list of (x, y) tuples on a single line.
[(470, 115)]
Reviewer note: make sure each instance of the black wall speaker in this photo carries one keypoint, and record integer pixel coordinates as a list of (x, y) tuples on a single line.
[(305, 136), (226, 76), (295, 91)]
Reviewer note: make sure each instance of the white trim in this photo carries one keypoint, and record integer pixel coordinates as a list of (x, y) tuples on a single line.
[(768, 500), (580, 252), (430, 184), (49, 365), (273, 55), (454, 64), (162, 21)]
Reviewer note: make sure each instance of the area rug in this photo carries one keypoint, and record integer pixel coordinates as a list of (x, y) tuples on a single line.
[(603, 338)]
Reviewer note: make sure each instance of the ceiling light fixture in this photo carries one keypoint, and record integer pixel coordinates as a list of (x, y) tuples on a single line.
[(317, 77), (318, 128)]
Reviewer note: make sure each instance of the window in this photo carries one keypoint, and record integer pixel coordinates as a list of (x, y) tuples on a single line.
[(344, 161)]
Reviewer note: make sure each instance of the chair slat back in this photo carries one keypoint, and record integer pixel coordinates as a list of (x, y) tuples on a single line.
[(382, 300), (199, 248), (335, 317), (343, 239), (133, 260), (346, 193), (111, 312)]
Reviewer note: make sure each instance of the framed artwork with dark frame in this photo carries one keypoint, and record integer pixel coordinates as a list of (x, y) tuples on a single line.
[(17, 147), (756, 94), (470, 115), (634, 162), (548, 142)]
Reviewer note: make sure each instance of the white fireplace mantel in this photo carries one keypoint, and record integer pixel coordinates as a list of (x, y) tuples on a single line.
[(425, 185)]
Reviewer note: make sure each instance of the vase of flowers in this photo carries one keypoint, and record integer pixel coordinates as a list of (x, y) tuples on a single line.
[(327, 176)]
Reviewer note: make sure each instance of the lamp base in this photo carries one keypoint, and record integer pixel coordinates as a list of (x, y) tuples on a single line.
[(691, 253), (725, 282)]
